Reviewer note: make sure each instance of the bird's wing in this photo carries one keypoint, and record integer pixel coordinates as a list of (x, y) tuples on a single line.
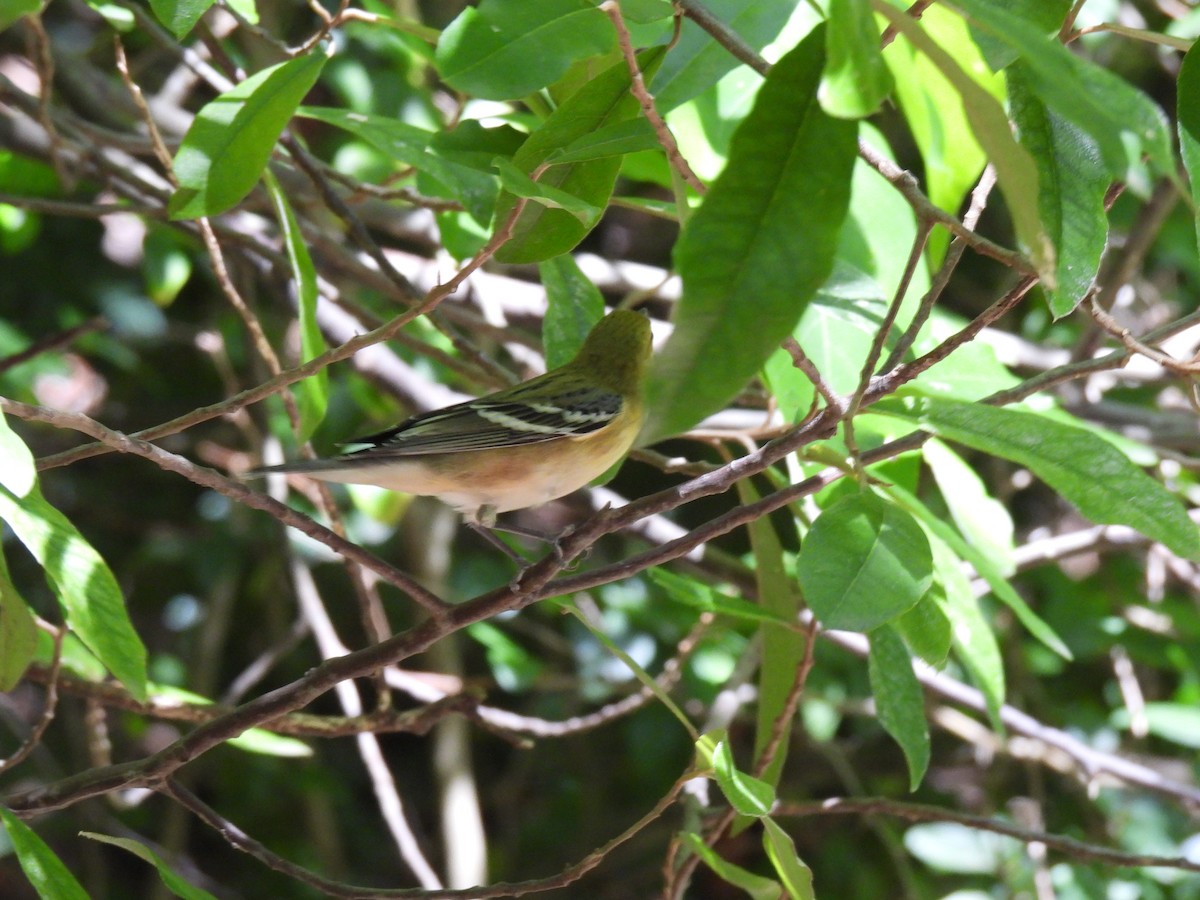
[(507, 419)]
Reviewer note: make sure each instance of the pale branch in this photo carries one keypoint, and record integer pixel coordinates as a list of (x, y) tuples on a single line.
[(920, 812)]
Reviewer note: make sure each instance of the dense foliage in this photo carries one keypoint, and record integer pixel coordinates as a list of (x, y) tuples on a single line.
[(898, 596)]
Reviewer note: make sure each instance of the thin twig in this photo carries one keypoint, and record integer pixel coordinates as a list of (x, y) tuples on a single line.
[(51, 703), (919, 812), (637, 87)]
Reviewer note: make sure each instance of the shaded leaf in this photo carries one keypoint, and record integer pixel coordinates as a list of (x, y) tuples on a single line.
[(312, 394), (541, 232), (180, 16), (1188, 111), (176, 884), (1123, 121), (756, 886), (899, 701), (475, 187), (1072, 183), (574, 306)]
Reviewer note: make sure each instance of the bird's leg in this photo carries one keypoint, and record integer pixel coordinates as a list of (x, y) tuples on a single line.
[(488, 533)]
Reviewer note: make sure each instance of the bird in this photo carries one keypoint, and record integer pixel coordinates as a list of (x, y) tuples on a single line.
[(521, 446)]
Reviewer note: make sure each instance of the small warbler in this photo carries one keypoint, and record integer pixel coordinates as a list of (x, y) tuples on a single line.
[(521, 446)]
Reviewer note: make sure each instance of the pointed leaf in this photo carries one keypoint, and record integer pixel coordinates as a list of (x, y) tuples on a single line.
[(312, 394), (1090, 473), (45, 871), (573, 306), (87, 591), (17, 470), (505, 49), (180, 16), (856, 79), (864, 562), (758, 248), (1016, 172), (1072, 183), (1188, 110), (228, 146), (176, 884), (756, 886), (541, 233), (18, 631), (1122, 120), (750, 796), (797, 878), (899, 701)]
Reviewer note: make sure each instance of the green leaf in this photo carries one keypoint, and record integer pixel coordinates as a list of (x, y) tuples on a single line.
[(697, 62), (756, 886), (13, 10), (1123, 121), (1188, 109), (474, 187), (519, 184), (926, 631), (879, 231), (748, 795), (836, 332), (514, 668), (87, 591), (934, 112), (175, 883), (540, 232), (959, 849), (864, 562), (229, 143), (899, 701), (313, 391), (796, 876), (17, 470), (574, 305), (45, 871), (1045, 16), (782, 649), (1016, 172), (166, 266), (312, 394), (1175, 722), (505, 49), (1087, 470), (974, 642), (856, 79), (180, 16), (983, 520), (699, 595), (252, 740), (1072, 183), (617, 139), (18, 631), (759, 246)]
